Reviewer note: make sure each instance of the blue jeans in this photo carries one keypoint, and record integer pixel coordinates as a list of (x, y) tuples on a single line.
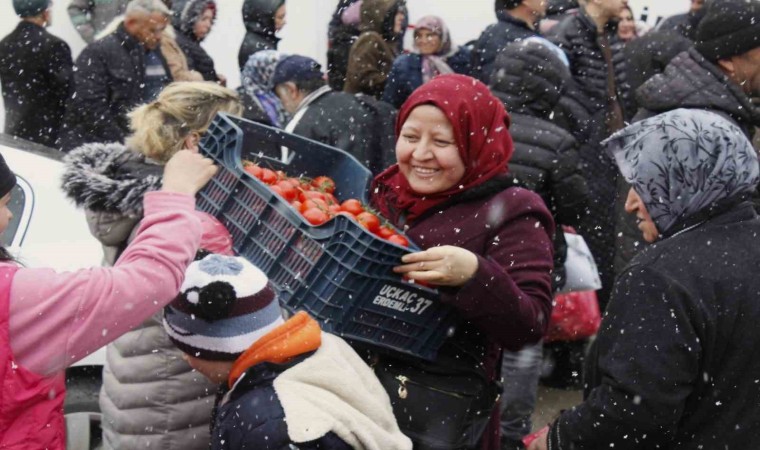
[(520, 372)]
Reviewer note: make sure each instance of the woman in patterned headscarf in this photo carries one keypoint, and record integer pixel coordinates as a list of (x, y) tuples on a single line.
[(675, 362), (257, 93), (434, 55)]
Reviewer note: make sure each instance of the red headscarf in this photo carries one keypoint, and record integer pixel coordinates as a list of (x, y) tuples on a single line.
[(481, 129)]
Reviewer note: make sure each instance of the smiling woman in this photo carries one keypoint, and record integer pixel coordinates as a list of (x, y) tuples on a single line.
[(427, 151), (434, 55), (487, 247)]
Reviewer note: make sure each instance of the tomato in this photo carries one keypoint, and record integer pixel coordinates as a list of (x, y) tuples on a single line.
[(315, 216), (352, 206), (324, 184), (317, 203), (289, 192), (293, 182), (424, 283), (334, 210), (385, 232), (420, 282), (331, 200), (306, 195), (368, 221), (281, 175), (268, 176), (297, 205), (399, 240), (305, 184), (252, 169), (277, 190)]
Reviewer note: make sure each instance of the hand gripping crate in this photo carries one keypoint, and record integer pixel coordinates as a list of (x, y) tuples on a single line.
[(338, 272)]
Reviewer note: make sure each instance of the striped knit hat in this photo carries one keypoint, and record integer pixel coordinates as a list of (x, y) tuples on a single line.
[(225, 305)]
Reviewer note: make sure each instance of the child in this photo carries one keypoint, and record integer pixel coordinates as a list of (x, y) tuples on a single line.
[(283, 382), (51, 320), (487, 246)]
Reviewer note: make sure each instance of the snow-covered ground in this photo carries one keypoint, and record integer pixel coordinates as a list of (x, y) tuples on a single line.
[(306, 32)]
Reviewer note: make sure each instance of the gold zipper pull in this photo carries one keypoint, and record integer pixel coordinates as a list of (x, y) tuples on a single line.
[(402, 393)]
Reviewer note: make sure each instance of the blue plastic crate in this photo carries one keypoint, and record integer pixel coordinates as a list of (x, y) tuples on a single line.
[(338, 272)]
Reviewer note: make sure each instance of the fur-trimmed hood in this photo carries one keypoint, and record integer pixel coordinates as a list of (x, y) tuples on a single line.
[(187, 13), (110, 178)]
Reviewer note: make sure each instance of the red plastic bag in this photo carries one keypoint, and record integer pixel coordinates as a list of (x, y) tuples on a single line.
[(527, 440), (575, 316)]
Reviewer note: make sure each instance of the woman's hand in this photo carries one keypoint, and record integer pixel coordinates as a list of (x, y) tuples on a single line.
[(187, 172), (445, 266)]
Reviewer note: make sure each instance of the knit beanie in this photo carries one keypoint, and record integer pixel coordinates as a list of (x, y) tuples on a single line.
[(7, 178), (225, 304), (729, 28), (30, 8)]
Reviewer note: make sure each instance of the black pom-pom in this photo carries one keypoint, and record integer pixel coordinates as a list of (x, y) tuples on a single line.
[(215, 300)]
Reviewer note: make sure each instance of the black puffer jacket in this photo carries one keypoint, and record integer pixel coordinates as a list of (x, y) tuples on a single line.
[(651, 53), (577, 36), (109, 81), (528, 78), (689, 81), (184, 21), (492, 41), (258, 17)]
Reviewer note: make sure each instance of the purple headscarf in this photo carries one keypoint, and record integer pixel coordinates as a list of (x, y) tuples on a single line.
[(435, 64)]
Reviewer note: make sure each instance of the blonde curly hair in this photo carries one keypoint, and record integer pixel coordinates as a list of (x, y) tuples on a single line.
[(159, 128)]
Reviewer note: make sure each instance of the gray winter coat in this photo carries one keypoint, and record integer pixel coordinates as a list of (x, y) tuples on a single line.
[(150, 398)]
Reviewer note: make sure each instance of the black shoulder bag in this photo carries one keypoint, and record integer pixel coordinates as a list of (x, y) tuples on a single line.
[(439, 406)]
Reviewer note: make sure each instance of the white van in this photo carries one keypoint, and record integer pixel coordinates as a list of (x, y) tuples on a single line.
[(48, 230)]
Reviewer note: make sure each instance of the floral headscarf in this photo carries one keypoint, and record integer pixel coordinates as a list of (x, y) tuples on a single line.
[(683, 162), (434, 65), (256, 78)]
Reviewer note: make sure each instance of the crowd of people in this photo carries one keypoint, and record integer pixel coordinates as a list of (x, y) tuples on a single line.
[(561, 114)]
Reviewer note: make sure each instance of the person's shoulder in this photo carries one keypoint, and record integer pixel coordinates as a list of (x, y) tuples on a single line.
[(368, 38), (238, 418), (567, 27), (102, 47), (407, 59), (552, 136), (520, 202), (337, 99)]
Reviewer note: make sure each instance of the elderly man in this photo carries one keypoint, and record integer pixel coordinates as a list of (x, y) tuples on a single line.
[(341, 120), (114, 74), (720, 74)]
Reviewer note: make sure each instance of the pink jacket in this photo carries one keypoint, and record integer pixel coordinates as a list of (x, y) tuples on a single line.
[(56, 319)]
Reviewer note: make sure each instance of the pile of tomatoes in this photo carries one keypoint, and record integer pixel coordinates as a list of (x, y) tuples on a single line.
[(314, 199)]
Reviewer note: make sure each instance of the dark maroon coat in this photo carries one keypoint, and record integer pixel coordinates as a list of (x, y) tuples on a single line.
[(509, 299)]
